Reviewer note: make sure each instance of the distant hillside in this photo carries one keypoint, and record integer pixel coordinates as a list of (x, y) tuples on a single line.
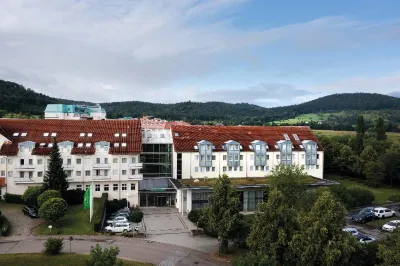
[(15, 98)]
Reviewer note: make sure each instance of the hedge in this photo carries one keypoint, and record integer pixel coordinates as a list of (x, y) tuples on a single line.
[(5, 226), (114, 205), (73, 196), (99, 211), (13, 198)]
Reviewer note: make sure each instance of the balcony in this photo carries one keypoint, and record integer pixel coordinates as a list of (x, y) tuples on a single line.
[(68, 166), (70, 178), (101, 177), (135, 177), (25, 167), (23, 180), (205, 163), (101, 166), (135, 165)]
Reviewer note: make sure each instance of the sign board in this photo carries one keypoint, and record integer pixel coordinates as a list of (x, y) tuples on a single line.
[(158, 189)]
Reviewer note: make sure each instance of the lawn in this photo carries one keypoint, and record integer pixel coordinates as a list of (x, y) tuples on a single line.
[(381, 194), (378, 223), (75, 222), (59, 260)]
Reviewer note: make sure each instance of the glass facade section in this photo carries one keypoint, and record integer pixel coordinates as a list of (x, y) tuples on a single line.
[(285, 147), (251, 199), (260, 152), (205, 152), (310, 148), (157, 160)]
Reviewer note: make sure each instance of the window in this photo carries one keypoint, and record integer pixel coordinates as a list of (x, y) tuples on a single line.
[(116, 135), (224, 157), (257, 168), (81, 134), (21, 162), (213, 157), (9, 161), (277, 156), (80, 145), (90, 135), (3, 173), (87, 173), (79, 161), (78, 173), (124, 135), (21, 174), (303, 156), (224, 169), (296, 137), (2, 160), (267, 168), (40, 161), (133, 159), (88, 145), (286, 136), (229, 168), (69, 173), (196, 157), (106, 160), (316, 166), (97, 160), (69, 161), (123, 187), (208, 169), (116, 145), (124, 160), (196, 169), (241, 157), (240, 168), (317, 156), (50, 145), (123, 144), (202, 169), (123, 172), (23, 134), (30, 161), (115, 171), (15, 134), (115, 187), (97, 187), (79, 187), (87, 187), (97, 172), (53, 134), (46, 134), (133, 186), (213, 169), (106, 187), (252, 157), (10, 174)]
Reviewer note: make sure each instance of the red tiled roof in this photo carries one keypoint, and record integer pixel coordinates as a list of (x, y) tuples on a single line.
[(186, 137), (69, 130)]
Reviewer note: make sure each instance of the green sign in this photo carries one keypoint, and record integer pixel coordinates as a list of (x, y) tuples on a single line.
[(158, 189)]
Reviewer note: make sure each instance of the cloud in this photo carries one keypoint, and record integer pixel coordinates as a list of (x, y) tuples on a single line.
[(98, 50)]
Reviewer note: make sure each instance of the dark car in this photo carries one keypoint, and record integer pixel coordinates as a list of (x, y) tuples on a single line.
[(31, 211), (363, 217)]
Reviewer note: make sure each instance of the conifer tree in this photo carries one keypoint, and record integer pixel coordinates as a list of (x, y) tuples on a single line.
[(360, 134), (55, 177), (380, 129)]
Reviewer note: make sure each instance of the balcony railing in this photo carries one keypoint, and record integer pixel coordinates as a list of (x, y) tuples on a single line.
[(135, 165), (25, 167), (101, 177), (23, 180), (101, 166), (135, 177), (68, 166)]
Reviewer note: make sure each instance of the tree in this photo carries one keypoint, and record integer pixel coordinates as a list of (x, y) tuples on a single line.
[(374, 173), (31, 195), (223, 214), (389, 250), (321, 240), (253, 259), (289, 180), (391, 164), (273, 228), (346, 160), (360, 134), (55, 177), (368, 154), (380, 129), (103, 257), (136, 216), (48, 194), (53, 209)]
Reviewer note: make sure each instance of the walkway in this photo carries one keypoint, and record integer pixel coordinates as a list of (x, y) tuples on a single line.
[(132, 249)]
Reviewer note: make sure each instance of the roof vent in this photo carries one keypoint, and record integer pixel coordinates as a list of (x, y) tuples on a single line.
[(16, 134), (196, 147), (50, 145)]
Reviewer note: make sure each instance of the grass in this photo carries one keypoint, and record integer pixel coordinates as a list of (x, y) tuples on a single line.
[(390, 135), (59, 260), (208, 182), (381, 194), (378, 223), (75, 222)]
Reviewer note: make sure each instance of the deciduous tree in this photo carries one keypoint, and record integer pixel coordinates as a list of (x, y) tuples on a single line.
[(55, 177), (380, 129), (31, 195), (359, 145), (53, 209), (48, 194)]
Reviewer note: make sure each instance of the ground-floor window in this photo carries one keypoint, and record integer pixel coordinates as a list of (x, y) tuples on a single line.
[(200, 199), (115, 187), (148, 199), (251, 200), (106, 187), (97, 187)]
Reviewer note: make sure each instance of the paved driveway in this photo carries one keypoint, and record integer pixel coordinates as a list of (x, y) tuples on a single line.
[(21, 225)]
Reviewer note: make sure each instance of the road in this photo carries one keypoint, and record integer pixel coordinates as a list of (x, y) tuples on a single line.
[(132, 249)]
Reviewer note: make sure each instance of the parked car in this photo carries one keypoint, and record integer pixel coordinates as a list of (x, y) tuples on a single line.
[(381, 212), (390, 226), (124, 214), (30, 211), (365, 239), (118, 219), (351, 230), (364, 216), (119, 228)]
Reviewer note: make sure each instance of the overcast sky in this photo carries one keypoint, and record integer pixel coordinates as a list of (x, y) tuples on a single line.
[(268, 53)]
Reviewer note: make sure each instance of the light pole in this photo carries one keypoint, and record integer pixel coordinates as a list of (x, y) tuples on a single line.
[(127, 200)]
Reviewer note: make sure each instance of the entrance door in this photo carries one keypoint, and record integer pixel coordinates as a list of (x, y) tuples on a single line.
[(161, 201)]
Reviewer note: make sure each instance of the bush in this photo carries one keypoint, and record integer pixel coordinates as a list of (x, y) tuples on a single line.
[(127, 234), (5, 226), (31, 195), (253, 259), (394, 198), (103, 257), (53, 209), (53, 246), (99, 211), (194, 215), (115, 205), (73, 196), (12, 198), (48, 194), (136, 216)]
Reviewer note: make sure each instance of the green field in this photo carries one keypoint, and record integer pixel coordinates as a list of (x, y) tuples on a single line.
[(381, 194), (59, 260), (390, 135), (309, 118)]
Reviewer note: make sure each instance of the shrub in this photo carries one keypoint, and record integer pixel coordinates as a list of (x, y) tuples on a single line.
[(53, 209), (99, 211), (253, 259), (53, 246), (73, 196), (115, 205), (136, 216), (48, 194), (127, 234), (5, 226), (31, 195), (394, 197), (103, 257), (12, 198), (194, 215)]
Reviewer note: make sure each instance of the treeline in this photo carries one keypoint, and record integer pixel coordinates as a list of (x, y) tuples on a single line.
[(369, 155)]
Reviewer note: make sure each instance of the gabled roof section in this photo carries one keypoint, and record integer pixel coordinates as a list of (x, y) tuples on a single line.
[(69, 130), (186, 137)]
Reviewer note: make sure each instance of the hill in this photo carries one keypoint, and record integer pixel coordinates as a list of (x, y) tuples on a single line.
[(15, 98)]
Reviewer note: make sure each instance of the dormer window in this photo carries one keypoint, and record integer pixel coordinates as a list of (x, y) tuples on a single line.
[(260, 152), (311, 152), (116, 135), (16, 134), (285, 147), (116, 145), (88, 145), (123, 144), (81, 134), (286, 136), (23, 134), (80, 145), (46, 134), (89, 135), (233, 150), (123, 135)]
